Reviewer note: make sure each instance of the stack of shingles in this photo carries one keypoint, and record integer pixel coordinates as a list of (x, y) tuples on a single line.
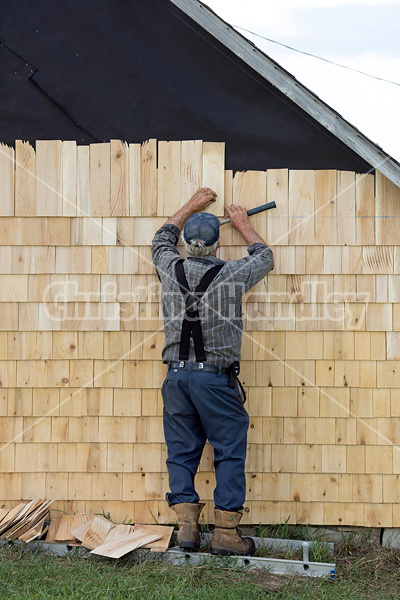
[(105, 538), (25, 521)]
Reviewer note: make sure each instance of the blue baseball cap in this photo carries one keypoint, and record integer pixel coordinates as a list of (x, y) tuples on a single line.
[(202, 226)]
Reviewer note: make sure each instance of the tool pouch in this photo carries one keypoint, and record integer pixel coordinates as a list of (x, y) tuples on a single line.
[(234, 370)]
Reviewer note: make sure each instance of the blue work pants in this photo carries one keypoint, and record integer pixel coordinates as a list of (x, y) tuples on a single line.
[(200, 406)]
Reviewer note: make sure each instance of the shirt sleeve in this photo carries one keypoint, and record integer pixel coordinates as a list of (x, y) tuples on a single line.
[(251, 269), (163, 249)]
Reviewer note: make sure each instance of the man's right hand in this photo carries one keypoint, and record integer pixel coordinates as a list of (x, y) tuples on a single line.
[(237, 215)]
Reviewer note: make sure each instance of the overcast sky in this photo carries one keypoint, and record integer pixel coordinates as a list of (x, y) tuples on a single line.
[(362, 34)]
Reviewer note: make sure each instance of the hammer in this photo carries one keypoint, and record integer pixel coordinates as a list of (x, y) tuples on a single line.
[(254, 211)]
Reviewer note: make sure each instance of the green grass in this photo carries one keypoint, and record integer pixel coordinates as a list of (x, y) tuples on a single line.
[(266, 552), (35, 576), (285, 531), (371, 573), (363, 572), (320, 552)]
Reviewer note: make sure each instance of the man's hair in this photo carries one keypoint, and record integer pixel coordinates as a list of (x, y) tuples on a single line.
[(198, 247)]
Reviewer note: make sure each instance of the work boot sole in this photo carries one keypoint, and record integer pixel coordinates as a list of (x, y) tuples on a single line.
[(226, 552), (188, 546)]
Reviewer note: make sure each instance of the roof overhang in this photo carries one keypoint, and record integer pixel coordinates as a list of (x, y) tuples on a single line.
[(291, 87)]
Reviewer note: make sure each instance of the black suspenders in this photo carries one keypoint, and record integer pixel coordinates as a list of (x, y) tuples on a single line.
[(191, 322)]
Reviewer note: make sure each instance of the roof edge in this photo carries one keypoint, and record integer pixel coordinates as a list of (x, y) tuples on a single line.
[(288, 85)]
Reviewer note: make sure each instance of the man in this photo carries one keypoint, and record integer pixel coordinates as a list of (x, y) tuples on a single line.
[(203, 399)]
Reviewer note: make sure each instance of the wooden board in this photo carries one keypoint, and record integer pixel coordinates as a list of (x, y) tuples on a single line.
[(79, 532), (7, 180), (226, 232), (11, 517), (83, 182), (301, 207), (365, 209), (160, 545), (15, 523), (346, 208), (30, 521), (125, 544), (100, 190), (49, 177), (135, 180), (250, 191), (32, 533), (97, 533), (278, 219), (118, 531), (169, 178), (325, 207), (149, 179), (191, 168), (119, 178), (25, 179), (3, 513), (52, 531), (214, 174), (69, 181), (69, 523), (387, 211), (6, 515), (24, 518)]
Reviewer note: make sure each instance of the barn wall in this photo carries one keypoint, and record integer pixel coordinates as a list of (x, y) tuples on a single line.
[(81, 334)]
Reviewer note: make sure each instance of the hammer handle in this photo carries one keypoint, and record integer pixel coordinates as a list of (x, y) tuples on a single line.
[(254, 211)]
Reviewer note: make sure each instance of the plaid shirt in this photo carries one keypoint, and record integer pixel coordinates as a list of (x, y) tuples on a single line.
[(220, 309)]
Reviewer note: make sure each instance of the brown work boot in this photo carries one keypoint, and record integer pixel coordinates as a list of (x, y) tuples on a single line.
[(188, 519), (227, 538)]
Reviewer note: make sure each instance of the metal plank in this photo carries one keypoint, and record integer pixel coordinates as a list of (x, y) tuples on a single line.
[(54, 548), (277, 566), (175, 556), (278, 544)]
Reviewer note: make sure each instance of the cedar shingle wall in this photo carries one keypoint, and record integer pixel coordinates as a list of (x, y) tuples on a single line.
[(81, 334)]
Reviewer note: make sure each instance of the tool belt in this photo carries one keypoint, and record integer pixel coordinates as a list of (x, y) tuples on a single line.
[(196, 366)]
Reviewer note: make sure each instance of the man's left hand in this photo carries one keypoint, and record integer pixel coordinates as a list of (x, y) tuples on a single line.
[(201, 199)]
